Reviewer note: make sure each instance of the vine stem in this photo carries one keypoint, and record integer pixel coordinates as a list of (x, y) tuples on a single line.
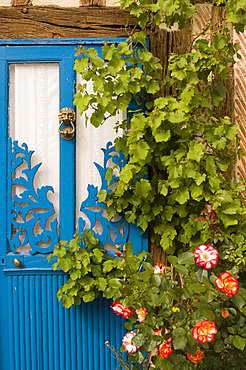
[(206, 29)]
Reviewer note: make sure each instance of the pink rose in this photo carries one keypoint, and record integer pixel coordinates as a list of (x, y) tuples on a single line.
[(160, 269), (127, 342), (206, 256), (158, 332), (141, 312), (124, 311)]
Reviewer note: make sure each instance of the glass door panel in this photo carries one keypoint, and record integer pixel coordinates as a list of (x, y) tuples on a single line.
[(94, 154), (33, 120)]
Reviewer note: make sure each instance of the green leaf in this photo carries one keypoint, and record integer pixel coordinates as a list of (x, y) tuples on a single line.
[(208, 314), (218, 346), (186, 258), (65, 264), (238, 301), (109, 175), (102, 284), (181, 269), (89, 296), (81, 64), (179, 342), (178, 332), (107, 266), (173, 260), (156, 280), (238, 342), (162, 136), (139, 151), (114, 283), (128, 325), (182, 196), (196, 151), (209, 295), (163, 363), (176, 117), (196, 287), (102, 195), (138, 340)]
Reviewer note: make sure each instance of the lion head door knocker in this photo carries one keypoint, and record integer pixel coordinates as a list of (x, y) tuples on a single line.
[(67, 117)]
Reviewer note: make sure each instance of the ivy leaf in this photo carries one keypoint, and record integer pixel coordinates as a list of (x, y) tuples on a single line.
[(139, 151), (182, 196), (102, 284), (107, 266), (88, 296), (176, 117), (162, 136), (114, 283), (196, 151)]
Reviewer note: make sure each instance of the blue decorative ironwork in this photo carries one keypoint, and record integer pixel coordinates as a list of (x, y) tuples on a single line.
[(114, 231), (31, 207)]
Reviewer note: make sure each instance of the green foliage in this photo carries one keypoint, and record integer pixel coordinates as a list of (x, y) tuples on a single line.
[(131, 280), (178, 182)]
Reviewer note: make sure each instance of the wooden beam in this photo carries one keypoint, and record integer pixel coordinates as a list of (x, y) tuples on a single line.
[(49, 22)]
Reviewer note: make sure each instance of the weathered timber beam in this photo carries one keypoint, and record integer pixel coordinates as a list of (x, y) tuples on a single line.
[(47, 22)]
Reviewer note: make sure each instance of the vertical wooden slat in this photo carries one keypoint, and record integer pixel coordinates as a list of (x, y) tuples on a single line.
[(16, 319), (61, 330), (33, 347), (22, 319), (44, 306), (27, 321), (57, 365)]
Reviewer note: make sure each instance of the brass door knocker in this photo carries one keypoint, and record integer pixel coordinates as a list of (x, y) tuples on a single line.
[(67, 117)]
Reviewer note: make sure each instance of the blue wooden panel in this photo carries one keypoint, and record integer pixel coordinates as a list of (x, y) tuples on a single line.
[(47, 336)]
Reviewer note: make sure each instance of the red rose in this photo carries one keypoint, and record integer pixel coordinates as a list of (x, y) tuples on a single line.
[(206, 256), (204, 331), (198, 356), (127, 342), (119, 254), (225, 314), (228, 283), (124, 311), (160, 269), (165, 350)]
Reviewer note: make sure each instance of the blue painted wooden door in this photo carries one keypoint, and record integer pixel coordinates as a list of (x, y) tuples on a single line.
[(36, 332)]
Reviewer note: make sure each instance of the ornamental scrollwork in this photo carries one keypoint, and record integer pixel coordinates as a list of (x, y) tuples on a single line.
[(108, 232)]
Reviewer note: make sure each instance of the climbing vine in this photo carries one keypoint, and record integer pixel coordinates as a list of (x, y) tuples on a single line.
[(180, 183)]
